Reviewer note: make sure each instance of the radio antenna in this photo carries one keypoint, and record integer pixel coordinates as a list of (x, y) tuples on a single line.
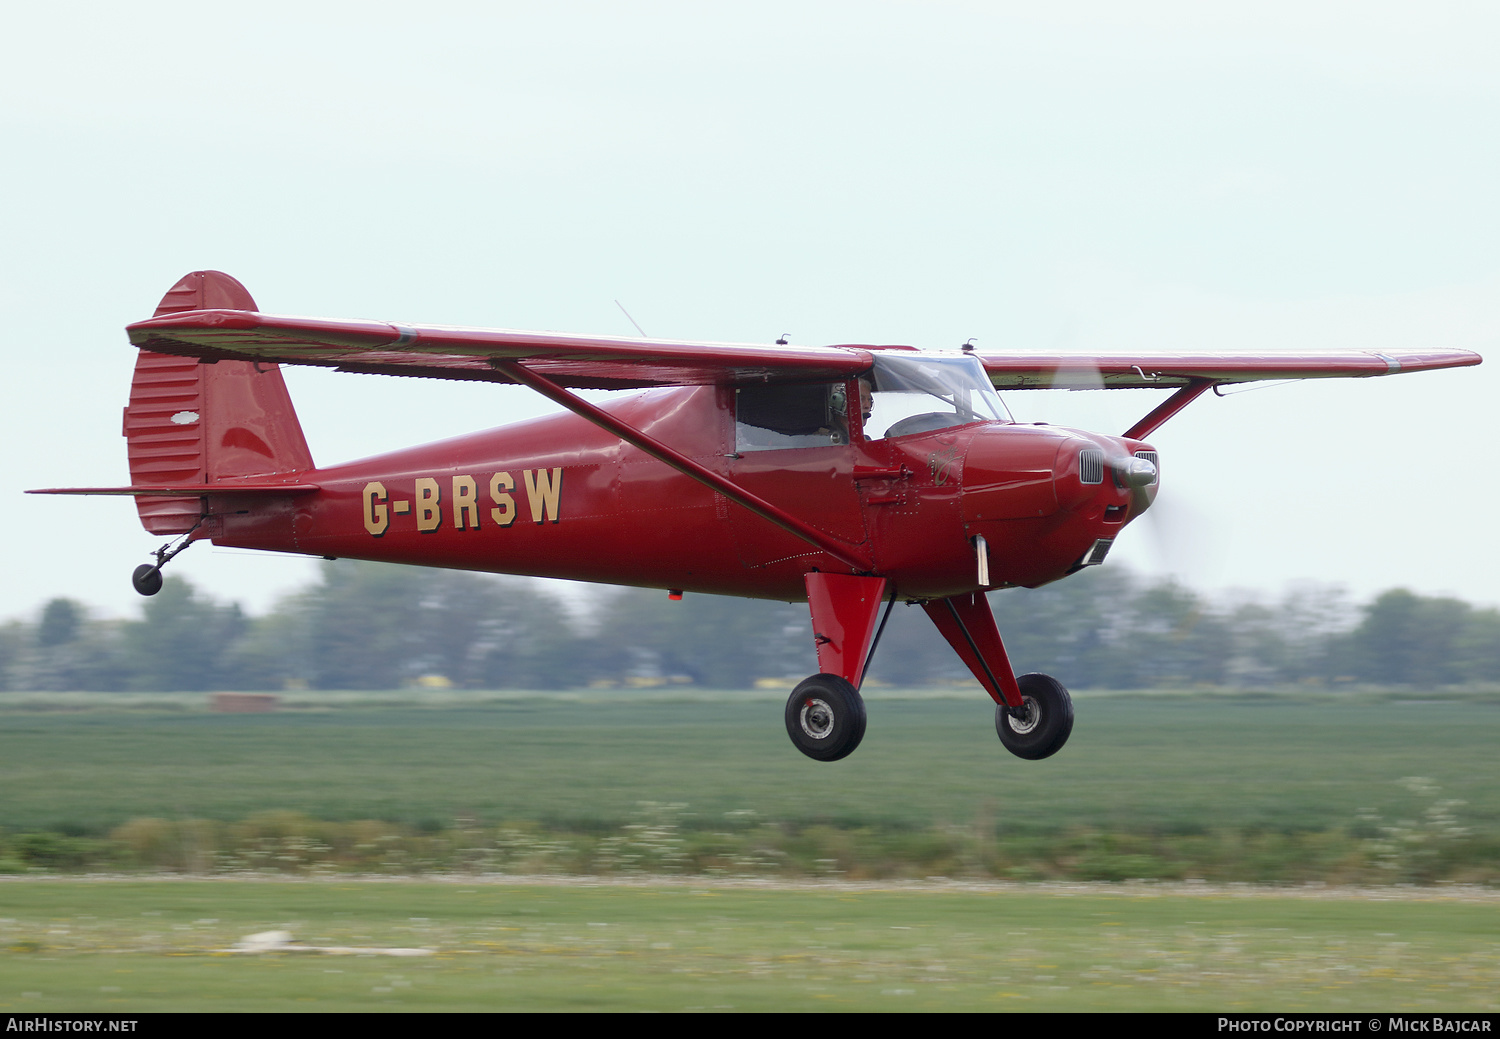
[(638, 328)]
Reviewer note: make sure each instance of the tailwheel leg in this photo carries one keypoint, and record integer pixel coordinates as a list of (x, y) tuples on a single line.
[(147, 577), (825, 717), (1041, 725)]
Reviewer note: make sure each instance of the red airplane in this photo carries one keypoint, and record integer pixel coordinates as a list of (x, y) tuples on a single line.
[(848, 476)]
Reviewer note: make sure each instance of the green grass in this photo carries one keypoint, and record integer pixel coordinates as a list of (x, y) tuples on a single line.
[(131, 946), (1216, 787), (1175, 766)]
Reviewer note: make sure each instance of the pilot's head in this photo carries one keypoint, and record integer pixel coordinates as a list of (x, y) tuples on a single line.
[(866, 397)]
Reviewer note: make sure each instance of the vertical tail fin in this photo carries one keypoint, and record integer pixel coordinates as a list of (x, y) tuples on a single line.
[(195, 422)]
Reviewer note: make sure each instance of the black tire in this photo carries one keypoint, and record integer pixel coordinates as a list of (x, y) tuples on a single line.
[(146, 579), (825, 717), (1046, 723)]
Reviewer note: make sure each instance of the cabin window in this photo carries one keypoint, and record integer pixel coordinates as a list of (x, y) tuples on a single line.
[(776, 416)]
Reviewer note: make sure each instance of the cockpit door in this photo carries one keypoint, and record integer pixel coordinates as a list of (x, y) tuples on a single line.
[(792, 449)]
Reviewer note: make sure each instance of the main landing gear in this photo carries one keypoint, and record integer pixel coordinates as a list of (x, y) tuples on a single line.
[(1033, 714), (825, 716)]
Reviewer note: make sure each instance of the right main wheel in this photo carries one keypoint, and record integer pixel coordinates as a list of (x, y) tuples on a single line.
[(1042, 725), (825, 717)]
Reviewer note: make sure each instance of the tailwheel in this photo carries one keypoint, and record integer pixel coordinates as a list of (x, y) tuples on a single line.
[(1041, 725), (825, 717), (146, 579)]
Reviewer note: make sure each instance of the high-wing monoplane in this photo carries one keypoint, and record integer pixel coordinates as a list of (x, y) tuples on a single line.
[(846, 476)]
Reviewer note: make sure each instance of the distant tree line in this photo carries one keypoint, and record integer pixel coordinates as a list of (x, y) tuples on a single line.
[(376, 626)]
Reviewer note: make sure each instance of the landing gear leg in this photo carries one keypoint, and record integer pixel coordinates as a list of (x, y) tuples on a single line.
[(825, 716), (147, 577), (1033, 713)]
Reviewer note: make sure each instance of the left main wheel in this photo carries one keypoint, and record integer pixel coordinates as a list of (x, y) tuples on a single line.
[(825, 717)]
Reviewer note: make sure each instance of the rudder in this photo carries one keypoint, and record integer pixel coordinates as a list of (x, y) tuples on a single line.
[(192, 422)]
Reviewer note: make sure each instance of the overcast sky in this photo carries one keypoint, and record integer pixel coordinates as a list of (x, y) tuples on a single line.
[(1168, 176)]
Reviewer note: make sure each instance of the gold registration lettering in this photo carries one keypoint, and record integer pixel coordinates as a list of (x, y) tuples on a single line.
[(429, 505), (542, 491), (465, 503), (543, 496), (504, 512), (377, 519)]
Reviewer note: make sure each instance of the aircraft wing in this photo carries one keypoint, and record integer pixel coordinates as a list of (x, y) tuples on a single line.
[(1164, 370), (447, 352), (604, 362)]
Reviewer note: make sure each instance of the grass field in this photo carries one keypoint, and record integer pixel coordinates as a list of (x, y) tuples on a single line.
[(1290, 789), (135, 946), (1277, 789), (1175, 765)]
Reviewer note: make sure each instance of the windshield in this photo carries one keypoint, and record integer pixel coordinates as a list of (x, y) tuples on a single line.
[(917, 393)]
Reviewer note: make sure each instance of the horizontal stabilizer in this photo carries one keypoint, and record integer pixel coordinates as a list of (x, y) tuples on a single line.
[(261, 490)]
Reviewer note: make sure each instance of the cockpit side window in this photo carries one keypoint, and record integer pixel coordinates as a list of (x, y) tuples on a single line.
[(777, 416)]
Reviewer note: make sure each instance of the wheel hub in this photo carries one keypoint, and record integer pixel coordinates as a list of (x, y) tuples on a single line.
[(1024, 718), (816, 718)]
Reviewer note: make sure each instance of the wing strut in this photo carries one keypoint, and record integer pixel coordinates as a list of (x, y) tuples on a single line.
[(1167, 408), (850, 555)]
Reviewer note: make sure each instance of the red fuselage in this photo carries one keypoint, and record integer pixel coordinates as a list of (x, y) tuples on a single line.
[(560, 497)]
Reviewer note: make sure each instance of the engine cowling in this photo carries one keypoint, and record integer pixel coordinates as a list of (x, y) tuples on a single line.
[(1049, 500)]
